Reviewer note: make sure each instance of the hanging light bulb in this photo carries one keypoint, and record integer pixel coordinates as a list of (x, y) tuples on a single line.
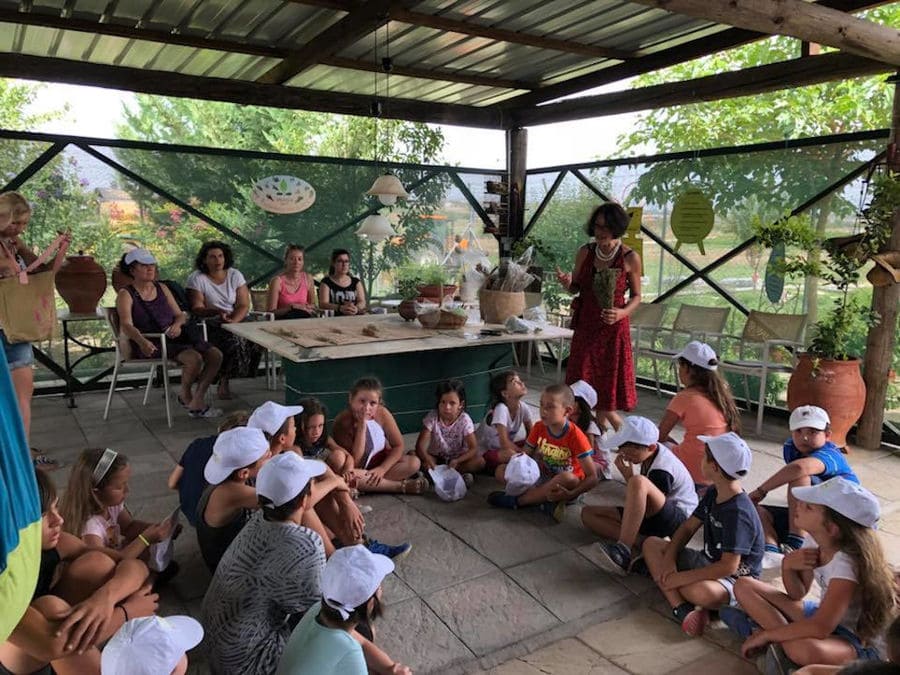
[(376, 228), (387, 188)]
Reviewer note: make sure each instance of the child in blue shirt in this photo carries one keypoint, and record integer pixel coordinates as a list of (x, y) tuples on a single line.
[(696, 581), (810, 458)]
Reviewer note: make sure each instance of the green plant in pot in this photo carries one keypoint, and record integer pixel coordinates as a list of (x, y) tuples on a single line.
[(408, 280), (435, 283), (828, 372)]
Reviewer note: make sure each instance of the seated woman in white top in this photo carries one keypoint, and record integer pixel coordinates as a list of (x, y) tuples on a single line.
[(219, 292)]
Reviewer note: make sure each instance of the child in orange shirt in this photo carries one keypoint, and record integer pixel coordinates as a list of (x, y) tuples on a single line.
[(704, 407), (563, 454)]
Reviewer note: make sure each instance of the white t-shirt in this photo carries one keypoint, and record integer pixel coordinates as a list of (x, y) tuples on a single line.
[(219, 296), (841, 566), (107, 528), (487, 434), (448, 441)]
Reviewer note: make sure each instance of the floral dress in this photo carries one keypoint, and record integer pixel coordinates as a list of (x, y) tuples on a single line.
[(601, 353)]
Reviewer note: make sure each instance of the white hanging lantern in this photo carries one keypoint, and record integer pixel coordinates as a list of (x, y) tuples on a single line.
[(387, 188), (375, 228)]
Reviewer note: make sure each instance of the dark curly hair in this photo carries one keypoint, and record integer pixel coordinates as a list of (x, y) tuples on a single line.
[(200, 261), (615, 219)]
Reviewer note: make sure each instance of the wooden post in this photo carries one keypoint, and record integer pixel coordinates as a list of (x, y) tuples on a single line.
[(881, 339), (516, 159)]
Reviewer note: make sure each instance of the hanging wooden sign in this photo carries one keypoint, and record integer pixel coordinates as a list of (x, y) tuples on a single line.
[(692, 218)]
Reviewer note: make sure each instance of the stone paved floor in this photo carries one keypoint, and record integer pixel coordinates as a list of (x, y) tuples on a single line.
[(482, 590)]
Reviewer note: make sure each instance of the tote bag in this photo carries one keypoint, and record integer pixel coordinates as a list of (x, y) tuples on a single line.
[(27, 301)]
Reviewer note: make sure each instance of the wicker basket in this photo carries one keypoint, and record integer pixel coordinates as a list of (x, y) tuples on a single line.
[(498, 306), (441, 318)]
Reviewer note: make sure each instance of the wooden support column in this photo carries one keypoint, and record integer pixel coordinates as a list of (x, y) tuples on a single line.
[(881, 338), (516, 159)]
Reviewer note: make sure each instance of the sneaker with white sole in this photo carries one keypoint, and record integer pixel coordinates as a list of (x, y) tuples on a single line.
[(615, 558), (695, 622)]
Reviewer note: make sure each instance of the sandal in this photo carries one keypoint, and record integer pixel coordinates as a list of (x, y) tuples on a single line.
[(206, 413), (181, 402), (415, 486), (43, 462)]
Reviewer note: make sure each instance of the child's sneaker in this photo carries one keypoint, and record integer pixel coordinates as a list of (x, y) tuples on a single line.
[(695, 622), (468, 479), (639, 566), (502, 500), (395, 552), (615, 558), (738, 621)]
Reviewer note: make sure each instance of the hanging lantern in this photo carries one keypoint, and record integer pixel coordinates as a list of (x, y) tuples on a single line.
[(375, 228), (387, 188)]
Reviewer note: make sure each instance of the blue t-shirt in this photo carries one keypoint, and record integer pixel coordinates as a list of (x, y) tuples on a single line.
[(829, 454), (192, 482), (732, 527), (314, 649)]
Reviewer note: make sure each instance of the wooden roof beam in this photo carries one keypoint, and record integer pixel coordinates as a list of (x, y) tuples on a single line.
[(796, 18), (164, 83), (750, 81), (461, 76), (710, 44), (480, 30)]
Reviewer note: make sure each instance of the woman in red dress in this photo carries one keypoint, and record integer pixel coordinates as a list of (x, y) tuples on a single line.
[(601, 347)]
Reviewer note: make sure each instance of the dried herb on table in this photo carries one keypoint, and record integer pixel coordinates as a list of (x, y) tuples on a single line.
[(605, 286)]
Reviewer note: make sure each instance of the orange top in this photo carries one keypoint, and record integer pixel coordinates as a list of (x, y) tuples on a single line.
[(700, 417)]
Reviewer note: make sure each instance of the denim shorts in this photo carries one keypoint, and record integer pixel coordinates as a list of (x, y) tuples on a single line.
[(692, 559), (862, 652), (18, 354)]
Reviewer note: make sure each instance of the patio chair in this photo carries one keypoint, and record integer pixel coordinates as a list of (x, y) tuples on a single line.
[(258, 298), (124, 357), (693, 322), (646, 321), (766, 345)]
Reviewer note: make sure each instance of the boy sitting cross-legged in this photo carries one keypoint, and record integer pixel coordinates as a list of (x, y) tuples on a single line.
[(563, 454), (659, 496), (696, 581)]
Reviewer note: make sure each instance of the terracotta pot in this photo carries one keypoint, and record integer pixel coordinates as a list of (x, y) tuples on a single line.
[(836, 386), (407, 309), (119, 279), (436, 292), (81, 282)]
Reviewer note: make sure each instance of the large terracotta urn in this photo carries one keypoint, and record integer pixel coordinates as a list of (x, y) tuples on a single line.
[(119, 279), (836, 386), (81, 282)]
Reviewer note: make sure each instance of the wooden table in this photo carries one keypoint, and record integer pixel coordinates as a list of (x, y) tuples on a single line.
[(409, 369)]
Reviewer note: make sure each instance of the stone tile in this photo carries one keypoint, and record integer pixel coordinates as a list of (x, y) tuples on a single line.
[(885, 486), (626, 643), (490, 612), (148, 485), (506, 540), (412, 634), (192, 580), (438, 559), (568, 584), (719, 661), (566, 657), (395, 591), (113, 432)]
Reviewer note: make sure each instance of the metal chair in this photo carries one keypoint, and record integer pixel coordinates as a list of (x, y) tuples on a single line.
[(125, 357), (770, 337), (693, 322), (646, 321), (258, 298)]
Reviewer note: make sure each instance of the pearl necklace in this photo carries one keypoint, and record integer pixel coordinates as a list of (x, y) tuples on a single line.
[(606, 257)]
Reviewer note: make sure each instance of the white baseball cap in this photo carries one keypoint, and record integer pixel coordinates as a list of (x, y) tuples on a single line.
[(234, 449), (151, 645), (585, 391), (351, 576), (284, 476), (635, 429), (811, 416), (730, 452), (700, 354), (140, 255), (844, 496), (270, 416)]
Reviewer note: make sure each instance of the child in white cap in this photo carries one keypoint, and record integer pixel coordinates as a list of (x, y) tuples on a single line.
[(331, 504), (583, 417), (844, 556), (696, 581), (228, 501), (659, 495), (705, 407), (324, 643), (152, 645), (810, 458)]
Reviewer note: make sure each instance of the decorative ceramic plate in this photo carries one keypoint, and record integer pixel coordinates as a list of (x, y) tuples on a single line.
[(283, 194)]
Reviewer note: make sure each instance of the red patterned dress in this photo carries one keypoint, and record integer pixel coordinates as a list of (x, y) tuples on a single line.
[(601, 353)]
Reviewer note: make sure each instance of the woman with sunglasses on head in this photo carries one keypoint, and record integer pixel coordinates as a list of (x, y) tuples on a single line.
[(292, 294), (340, 291)]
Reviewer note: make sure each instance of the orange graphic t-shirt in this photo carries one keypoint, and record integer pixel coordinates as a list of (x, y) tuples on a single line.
[(555, 454)]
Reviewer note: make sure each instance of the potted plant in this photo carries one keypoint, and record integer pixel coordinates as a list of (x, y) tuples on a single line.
[(408, 281), (435, 284), (828, 372)]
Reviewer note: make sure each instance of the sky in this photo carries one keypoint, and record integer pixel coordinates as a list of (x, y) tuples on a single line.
[(95, 112)]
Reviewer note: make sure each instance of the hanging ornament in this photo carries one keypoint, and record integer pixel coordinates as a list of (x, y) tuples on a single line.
[(283, 194), (774, 280), (692, 218)]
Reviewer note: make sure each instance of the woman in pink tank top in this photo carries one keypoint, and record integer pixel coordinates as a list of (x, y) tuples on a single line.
[(292, 295)]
